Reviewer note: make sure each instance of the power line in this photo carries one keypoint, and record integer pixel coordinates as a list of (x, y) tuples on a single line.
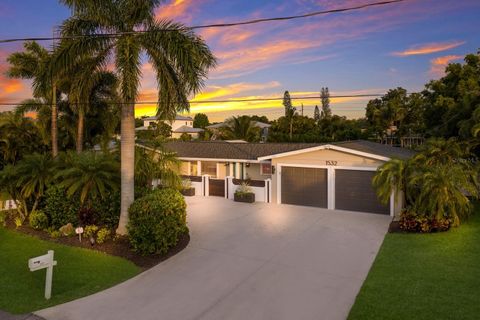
[(218, 25), (208, 101)]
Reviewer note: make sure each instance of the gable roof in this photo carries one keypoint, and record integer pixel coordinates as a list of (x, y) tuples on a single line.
[(187, 129), (264, 151)]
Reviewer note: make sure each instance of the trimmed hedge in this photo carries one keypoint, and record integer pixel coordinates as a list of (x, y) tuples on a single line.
[(59, 208), (156, 221)]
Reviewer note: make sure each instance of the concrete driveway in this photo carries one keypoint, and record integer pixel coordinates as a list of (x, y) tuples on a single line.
[(248, 261)]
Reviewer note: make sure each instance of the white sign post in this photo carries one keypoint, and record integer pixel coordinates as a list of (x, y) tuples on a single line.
[(44, 262)]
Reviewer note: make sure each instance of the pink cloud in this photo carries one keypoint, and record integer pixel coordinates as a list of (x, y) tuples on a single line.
[(438, 65), (429, 48)]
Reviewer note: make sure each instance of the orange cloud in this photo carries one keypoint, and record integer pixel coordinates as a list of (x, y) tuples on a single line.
[(439, 64), (428, 48), (178, 10)]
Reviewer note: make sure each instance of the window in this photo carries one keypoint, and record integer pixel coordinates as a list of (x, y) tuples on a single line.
[(265, 169), (193, 168), (209, 168)]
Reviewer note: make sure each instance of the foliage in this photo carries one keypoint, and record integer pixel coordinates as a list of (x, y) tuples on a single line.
[(55, 234), (241, 127), (108, 209), (90, 176), (3, 217), (80, 273), (185, 137), (325, 99), (18, 221), (244, 188), (67, 230), (38, 220), (156, 221), (412, 222), (59, 208), (200, 121), (186, 184), (90, 231), (103, 235), (156, 163), (87, 215), (316, 114)]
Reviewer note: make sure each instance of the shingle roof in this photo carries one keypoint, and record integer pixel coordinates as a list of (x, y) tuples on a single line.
[(187, 129), (177, 117), (253, 151)]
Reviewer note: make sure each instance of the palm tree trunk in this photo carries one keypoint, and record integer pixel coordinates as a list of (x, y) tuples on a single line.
[(80, 130), (127, 145), (291, 128), (54, 122)]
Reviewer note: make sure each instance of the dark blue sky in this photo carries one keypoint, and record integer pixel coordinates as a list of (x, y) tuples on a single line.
[(368, 51)]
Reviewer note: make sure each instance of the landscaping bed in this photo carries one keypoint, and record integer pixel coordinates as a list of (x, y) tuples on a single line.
[(424, 276), (119, 247)]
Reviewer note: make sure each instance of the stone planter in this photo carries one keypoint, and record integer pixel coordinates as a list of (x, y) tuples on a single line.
[(188, 192), (244, 197)]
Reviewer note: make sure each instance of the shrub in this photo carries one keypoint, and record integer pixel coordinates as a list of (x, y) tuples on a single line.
[(108, 209), (38, 220), (55, 234), (186, 184), (103, 235), (3, 218), (67, 230), (244, 188), (412, 222), (90, 231), (59, 208), (87, 216), (156, 221)]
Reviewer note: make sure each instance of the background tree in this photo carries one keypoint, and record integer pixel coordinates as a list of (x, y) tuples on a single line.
[(316, 114), (289, 111), (241, 127), (325, 98), (35, 64), (180, 59), (200, 121)]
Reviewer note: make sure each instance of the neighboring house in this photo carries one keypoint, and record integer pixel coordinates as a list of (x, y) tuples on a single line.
[(336, 176), (264, 127), (180, 125)]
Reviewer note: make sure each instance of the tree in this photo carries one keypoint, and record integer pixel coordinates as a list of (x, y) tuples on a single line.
[(391, 177), (289, 111), (156, 163), (316, 114), (35, 64), (241, 127), (89, 175), (200, 121), (180, 59), (325, 98)]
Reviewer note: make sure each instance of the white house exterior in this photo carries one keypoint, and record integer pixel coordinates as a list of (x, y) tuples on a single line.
[(180, 125)]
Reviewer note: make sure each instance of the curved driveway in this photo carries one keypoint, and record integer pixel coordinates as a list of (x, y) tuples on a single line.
[(248, 261)]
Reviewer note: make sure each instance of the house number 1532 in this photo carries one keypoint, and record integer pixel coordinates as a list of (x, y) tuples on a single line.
[(331, 163)]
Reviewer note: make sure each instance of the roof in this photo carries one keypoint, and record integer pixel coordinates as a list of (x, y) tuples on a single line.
[(177, 117), (187, 129), (258, 124), (254, 151)]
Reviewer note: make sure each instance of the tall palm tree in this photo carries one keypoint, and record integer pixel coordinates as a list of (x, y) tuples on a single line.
[(179, 58), (241, 127), (35, 64)]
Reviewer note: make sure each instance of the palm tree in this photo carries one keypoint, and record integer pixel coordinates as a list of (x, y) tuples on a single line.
[(156, 163), (179, 57), (444, 190), (90, 175), (438, 151), (35, 64), (392, 176), (241, 127)]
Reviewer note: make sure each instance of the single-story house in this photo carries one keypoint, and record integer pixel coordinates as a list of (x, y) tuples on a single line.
[(335, 176), (180, 125)]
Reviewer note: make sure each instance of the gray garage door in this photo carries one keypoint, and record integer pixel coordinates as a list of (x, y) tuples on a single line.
[(304, 186), (354, 192)]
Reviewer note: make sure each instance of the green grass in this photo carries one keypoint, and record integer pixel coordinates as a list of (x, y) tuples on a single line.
[(424, 276), (79, 272)]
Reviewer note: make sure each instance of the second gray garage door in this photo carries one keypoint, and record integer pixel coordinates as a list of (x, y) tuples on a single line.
[(354, 192), (304, 186)]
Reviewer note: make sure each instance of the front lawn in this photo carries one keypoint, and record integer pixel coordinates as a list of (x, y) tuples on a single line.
[(424, 276), (79, 272)]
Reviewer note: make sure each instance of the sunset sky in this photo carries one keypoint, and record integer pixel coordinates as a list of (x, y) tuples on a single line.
[(367, 51)]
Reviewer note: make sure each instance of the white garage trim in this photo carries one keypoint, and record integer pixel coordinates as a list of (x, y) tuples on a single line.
[(330, 181), (326, 147)]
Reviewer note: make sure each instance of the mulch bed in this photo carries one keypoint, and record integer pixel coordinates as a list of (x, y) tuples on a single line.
[(120, 247)]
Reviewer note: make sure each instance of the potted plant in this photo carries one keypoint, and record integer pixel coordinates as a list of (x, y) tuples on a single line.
[(244, 193), (187, 189)]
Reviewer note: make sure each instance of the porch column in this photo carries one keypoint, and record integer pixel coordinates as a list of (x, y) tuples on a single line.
[(199, 168), (189, 168)]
